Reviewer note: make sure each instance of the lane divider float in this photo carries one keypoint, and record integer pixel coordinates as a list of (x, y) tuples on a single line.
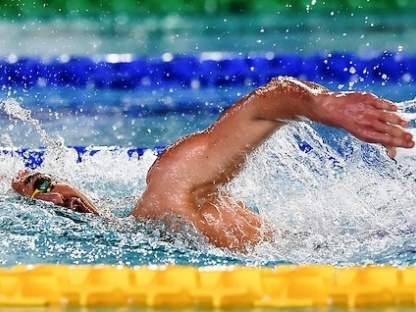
[(207, 287), (208, 69)]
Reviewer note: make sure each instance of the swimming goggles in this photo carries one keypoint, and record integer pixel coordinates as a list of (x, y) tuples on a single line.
[(42, 184)]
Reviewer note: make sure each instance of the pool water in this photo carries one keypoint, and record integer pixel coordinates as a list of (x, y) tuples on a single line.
[(115, 117), (331, 198), (338, 201)]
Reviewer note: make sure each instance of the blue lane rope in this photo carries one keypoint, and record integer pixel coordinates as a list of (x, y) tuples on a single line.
[(33, 158), (125, 71)]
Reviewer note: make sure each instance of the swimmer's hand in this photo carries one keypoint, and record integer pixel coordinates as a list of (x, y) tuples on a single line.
[(54, 198), (367, 117), (73, 203)]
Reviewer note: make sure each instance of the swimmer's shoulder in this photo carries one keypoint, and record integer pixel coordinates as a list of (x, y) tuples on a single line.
[(178, 161)]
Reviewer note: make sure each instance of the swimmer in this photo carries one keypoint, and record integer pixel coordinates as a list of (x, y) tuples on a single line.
[(185, 180)]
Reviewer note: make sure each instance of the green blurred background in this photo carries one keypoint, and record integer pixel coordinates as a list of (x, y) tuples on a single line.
[(46, 28), (67, 8)]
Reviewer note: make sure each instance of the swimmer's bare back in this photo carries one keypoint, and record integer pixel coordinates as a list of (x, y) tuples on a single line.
[(186, 179)]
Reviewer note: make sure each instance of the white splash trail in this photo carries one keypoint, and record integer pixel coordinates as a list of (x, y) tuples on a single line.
[(13, 109), (407, 104)]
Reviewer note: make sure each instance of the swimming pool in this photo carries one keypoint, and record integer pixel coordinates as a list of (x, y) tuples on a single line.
[(335, 200), (325, 160)]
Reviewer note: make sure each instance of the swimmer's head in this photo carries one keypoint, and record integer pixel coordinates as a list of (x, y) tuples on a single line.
[(44, 187), (29, 184)]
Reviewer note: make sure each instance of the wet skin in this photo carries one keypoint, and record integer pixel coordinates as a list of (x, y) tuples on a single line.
[(61, 194), (186, 180)]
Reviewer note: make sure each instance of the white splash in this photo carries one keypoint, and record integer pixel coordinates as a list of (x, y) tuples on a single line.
[(342, 201), (327, 207), (14, 110)]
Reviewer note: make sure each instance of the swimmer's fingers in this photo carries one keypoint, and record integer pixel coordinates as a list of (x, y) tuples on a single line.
[(391, 125), (395, 131), (390, 138), (391, 118), (385, 105), (391, 151)]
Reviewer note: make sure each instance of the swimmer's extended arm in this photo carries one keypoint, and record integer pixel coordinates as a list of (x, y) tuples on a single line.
[(214, 156), (364, 115), (265, 110)]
